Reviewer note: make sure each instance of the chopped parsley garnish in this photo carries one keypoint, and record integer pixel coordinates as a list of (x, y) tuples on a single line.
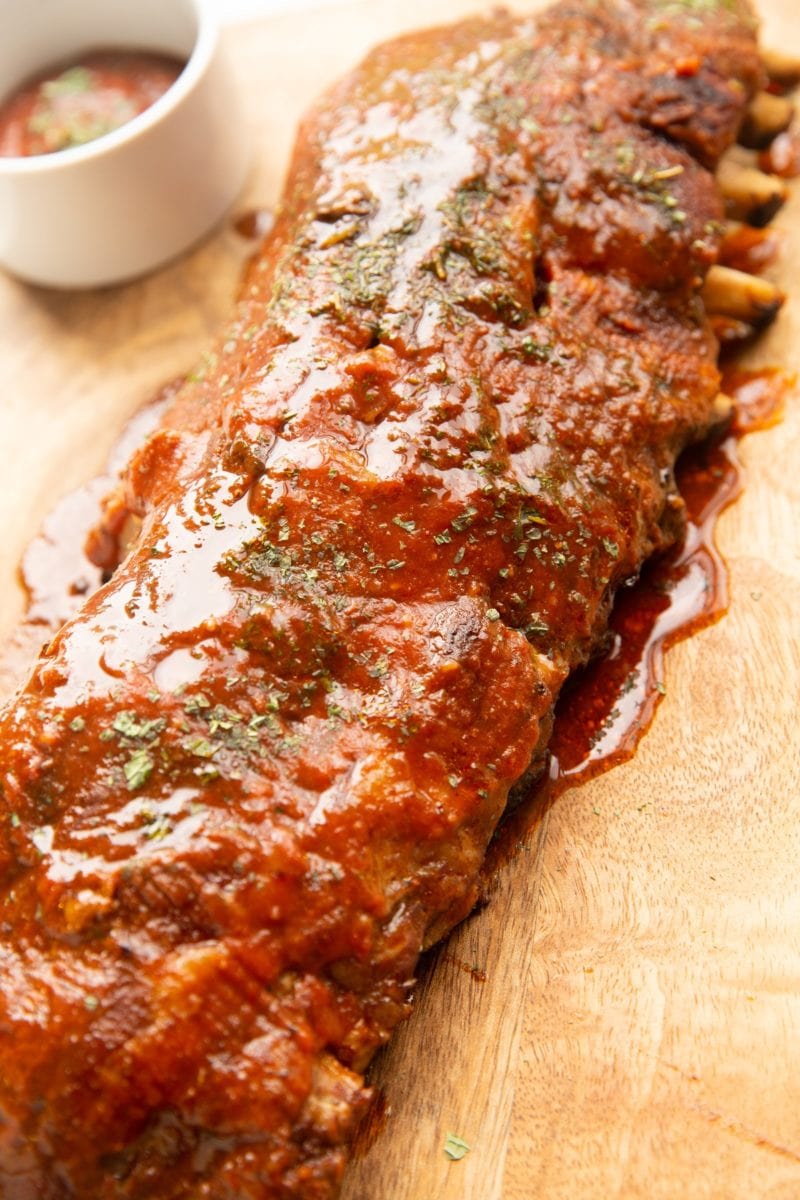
[(199, 746), (538, 351), (455, 1147), (409, 526), (128, 725), (137, 769)]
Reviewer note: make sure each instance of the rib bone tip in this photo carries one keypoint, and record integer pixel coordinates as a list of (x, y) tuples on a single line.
[(750, 195), (782, 68), (766, 117), (722, 407), (741, 296)]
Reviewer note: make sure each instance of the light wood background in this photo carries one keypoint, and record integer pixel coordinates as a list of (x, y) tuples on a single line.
[(638, 1032)]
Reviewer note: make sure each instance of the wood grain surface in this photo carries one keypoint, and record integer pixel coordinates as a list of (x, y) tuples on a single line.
[(637, 1034)]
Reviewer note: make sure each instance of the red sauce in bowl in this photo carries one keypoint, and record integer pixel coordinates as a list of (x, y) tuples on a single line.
[(77, 103)]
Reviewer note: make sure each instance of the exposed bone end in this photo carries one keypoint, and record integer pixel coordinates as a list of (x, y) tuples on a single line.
[(766, 117), (722, 409), (783, 69), (730, 293), (750, 195)]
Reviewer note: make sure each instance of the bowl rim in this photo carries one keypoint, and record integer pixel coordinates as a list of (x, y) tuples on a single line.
[(197, 63)]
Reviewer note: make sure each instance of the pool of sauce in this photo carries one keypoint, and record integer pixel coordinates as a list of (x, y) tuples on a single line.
[(78, 102), (56, 574), (605, 709)]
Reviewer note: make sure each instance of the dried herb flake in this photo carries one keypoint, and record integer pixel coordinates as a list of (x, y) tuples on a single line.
[(455, 1147)]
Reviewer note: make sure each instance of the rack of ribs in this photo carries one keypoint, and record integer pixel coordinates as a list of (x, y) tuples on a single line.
[(256, 775)]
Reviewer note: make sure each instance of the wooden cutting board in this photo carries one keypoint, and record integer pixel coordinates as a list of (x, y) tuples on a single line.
[(638, 1030)]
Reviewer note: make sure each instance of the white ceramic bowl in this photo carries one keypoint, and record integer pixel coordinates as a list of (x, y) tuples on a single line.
[(123, 204)]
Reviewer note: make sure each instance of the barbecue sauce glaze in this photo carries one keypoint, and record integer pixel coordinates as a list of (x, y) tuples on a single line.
[(604, 709), (257, 773)]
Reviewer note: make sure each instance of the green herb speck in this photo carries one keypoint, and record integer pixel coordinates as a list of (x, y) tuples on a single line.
[(455, 1147), (409, 526), (200, 747), (137, 769), (128, 725)]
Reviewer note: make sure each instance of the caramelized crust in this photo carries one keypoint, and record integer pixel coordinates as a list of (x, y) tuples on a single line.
[(257, 774)]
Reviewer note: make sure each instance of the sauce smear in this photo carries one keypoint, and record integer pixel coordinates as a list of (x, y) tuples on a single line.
[(603, 712), (73, 104), (605, 709), (55, 570)]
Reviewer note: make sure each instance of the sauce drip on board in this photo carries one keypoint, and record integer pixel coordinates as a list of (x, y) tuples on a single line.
[(605, 709), (55, 571), (76, 103)]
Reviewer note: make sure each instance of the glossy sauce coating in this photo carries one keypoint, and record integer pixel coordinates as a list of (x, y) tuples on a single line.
[(258, 772), (78, 103), (604, 709)]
